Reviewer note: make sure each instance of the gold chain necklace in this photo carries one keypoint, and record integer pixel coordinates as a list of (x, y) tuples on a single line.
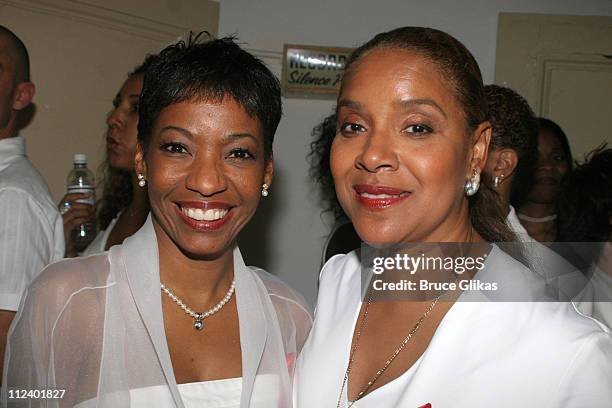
[(390, 360)]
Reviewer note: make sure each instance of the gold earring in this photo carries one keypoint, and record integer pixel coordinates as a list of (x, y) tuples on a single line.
[(264, 190)]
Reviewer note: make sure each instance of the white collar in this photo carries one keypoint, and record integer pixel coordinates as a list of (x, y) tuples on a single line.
[(10, 148), (516, 226), (140, 255)]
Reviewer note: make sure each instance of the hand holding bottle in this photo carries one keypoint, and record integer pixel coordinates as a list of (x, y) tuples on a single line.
[(75, 212)]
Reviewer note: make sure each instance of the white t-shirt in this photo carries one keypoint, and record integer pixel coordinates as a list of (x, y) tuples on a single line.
[(483, 354), (31, 229)]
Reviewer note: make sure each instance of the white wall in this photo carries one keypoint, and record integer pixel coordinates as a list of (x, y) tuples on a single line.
[(287, 235)]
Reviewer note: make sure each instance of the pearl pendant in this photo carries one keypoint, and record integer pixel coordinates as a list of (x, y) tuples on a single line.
[(199, 325)]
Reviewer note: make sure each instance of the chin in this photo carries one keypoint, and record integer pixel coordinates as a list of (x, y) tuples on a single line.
[(120, 163), (205, 252), (378, 238)]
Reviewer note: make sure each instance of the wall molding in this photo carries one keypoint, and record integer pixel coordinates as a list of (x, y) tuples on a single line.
[(76, 10), (549, 64)]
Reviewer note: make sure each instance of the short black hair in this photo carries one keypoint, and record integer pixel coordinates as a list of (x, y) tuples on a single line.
[(210, 71), (515, 127), (22, 65), (551, 127)]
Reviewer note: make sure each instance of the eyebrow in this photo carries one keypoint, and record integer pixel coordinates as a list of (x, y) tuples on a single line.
[(180, 130), (347, 103), (405, 104), (409, 103), (230, 138)]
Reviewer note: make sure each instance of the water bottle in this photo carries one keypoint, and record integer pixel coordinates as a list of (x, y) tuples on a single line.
[(81, 180)]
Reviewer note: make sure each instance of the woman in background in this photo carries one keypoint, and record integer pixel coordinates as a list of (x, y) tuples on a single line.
[(342, 238), (123, 208), (513, 151), (538, 213)]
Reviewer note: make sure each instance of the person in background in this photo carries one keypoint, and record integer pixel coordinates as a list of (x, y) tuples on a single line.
[(513, 151), (173, 317), (585, 216), (31, 234), (342, 238), (123, 208), (510, 168), (538, 213)]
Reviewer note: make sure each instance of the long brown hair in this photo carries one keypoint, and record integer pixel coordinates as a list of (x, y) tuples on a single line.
[(116, 184)]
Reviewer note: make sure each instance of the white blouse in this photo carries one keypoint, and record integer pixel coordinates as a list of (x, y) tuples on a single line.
[(211, 394), (94, 327), (483, 353)]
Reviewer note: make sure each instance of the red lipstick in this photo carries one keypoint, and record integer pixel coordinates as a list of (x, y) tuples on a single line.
[(392, 196), (204, 226)]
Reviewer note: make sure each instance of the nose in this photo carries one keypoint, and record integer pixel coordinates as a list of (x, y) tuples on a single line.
[(114, 118), (545, 162), (206, 176), (377, 153)]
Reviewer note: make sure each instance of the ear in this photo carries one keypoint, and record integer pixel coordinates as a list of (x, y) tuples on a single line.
[(480, 147), (140, 166), (24, 93), (507, 159), (269, 169)]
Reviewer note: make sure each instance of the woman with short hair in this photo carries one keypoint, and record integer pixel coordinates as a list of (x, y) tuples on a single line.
[(173, 317)]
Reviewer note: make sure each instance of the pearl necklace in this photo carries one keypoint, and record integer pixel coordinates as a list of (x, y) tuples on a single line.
[(537, 219), (199, 316)]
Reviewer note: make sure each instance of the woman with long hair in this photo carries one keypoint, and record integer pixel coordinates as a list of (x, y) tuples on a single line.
[(123, 208), (538, 213), (417, 320)]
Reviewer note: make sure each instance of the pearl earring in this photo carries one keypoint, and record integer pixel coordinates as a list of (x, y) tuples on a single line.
[(141, 180), (473, 183), (264, 190)]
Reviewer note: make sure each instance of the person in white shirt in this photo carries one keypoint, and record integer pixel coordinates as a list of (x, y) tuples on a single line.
[(173, 317), (31, 234), (123, 207), (411, 143)]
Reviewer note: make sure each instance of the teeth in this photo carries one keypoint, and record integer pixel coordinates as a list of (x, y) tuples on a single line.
[(204, 215), (368, 195)]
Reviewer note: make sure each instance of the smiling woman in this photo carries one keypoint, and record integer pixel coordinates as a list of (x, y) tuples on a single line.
[(412, 139), (173, 317)]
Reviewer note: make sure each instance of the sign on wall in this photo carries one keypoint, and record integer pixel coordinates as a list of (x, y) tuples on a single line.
[(313, 71)]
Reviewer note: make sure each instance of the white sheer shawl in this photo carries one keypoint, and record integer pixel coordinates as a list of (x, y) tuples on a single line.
[(94, 327)]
